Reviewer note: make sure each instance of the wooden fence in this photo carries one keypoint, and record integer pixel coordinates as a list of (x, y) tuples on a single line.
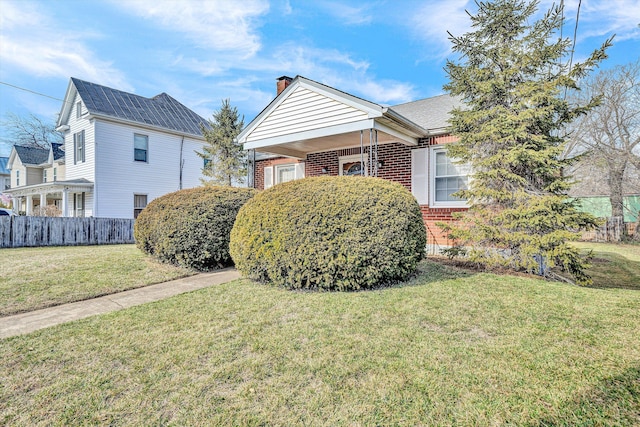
[(22, 231), (610, 231)]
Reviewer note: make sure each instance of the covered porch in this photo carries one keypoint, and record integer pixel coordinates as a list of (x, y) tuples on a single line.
[(58, 198)]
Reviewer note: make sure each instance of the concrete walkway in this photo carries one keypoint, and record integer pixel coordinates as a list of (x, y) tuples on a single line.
[(32, 321)]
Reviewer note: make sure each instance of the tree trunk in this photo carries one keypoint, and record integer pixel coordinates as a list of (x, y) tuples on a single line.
[(616, 197)]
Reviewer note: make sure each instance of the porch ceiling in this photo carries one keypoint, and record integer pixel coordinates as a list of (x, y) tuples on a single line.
[(331, 138)]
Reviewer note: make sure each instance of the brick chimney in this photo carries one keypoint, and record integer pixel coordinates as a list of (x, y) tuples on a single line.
[(282, 83)]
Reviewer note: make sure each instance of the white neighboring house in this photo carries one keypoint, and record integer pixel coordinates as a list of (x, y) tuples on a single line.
[(121, 151)]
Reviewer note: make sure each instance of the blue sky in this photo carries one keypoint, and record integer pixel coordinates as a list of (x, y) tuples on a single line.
[(201, 52)]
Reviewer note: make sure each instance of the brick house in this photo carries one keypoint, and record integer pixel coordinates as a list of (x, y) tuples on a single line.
[(311, 129)]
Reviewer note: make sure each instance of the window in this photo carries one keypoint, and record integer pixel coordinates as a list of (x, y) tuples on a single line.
[(448, 177), (44, 175), (353, 166), (435, 177), (139, 203), (282, 173), (78, 147), (285, 173), (55, 174), (78, 204), (17, 178), (78, 109), (140, 148)]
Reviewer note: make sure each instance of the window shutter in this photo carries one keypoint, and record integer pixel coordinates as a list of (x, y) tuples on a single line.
[(75, 148), (268, 177), (420, 175), (300, 170), (83, 158)]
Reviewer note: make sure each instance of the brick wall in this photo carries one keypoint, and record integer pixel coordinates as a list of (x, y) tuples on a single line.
[(396, 167)]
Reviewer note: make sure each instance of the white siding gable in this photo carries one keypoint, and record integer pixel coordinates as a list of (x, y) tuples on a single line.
[(305, 110)]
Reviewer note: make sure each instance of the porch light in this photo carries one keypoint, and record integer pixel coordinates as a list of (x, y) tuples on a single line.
[(325, 169), (380, 164)]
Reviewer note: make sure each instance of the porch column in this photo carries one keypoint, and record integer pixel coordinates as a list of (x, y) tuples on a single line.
[(65, 202), (16, 203), (43, 203), (29, 207)]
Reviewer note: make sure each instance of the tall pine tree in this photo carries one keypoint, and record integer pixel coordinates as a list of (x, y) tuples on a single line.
[(224, 159), (512, 78)]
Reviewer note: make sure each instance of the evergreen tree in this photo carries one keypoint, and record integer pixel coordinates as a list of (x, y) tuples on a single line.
[(225, 161), (512, 80)]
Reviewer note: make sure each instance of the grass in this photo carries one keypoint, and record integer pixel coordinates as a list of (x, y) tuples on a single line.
[(33, 278), (448, 347), (613, 265)]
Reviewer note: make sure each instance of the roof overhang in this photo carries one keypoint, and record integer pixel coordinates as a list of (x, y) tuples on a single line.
[(370, 123)]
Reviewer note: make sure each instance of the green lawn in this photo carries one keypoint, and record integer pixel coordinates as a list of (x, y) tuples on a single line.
[(614, 265), (33, 278), (447, 348)]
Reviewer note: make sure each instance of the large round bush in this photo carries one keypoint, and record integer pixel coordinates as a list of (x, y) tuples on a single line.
[(191, 227), (335, 233)]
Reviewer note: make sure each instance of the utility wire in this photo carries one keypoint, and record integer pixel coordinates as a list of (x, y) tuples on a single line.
[(573, 47), (31, 91)]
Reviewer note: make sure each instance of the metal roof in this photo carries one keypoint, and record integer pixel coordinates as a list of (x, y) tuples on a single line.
[(161, 111), (31, 156)]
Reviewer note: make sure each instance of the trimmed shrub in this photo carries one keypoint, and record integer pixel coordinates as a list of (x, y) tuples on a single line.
[(332, 233), (191, 227)]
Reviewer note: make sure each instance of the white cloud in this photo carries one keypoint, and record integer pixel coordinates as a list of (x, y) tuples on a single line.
[(346, 14), (45, 48), (431, 21), (221, 25)]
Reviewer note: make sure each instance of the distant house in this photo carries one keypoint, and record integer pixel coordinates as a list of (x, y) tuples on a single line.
[(5, 174), (311, 129), (120, 152)]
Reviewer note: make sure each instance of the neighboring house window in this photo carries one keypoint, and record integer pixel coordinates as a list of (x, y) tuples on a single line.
[(282, 173), (140, 148), (206, 163), (55, 174), (139, 203), (44, 175), (78, 109), (78, 204), (17, 178), (447, 177), (78, 147)]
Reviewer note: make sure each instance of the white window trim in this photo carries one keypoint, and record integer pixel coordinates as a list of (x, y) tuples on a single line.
[(146, 149), (270, 174), (352, 159), (432, 182)]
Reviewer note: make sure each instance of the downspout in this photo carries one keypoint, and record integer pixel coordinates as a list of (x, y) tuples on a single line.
[(181, 161)]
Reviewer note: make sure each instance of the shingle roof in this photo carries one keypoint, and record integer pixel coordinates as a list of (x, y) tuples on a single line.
[(58, 152), (429, 113), (31, 156), (161, 110), (3, 165)]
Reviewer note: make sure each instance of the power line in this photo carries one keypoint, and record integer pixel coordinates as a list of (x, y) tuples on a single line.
[(32, 91), (575, 33)]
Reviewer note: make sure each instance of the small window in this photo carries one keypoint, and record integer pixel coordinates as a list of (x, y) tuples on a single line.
[(78, 147), (353, 165), (448, 178), (285, 173), (140, 148), (44, 175), (78, 109), (55, 174), (139, 203), (17, 178)]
